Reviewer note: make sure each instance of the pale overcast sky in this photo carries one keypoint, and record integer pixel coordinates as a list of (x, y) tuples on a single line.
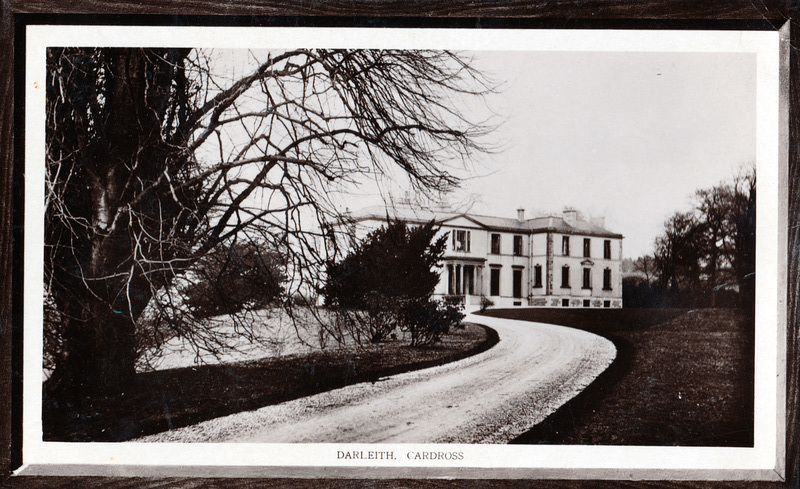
[(628, 136)]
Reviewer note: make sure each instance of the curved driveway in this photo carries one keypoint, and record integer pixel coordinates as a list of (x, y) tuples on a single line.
[(487, 398)]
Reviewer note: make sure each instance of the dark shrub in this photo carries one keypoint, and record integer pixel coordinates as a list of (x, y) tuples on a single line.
[(426, 320), (387, 282)]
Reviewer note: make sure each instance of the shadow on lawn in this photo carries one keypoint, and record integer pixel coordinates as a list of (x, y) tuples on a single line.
[(167, 399)]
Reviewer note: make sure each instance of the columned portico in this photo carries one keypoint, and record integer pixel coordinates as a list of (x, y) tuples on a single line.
[(464, 278)]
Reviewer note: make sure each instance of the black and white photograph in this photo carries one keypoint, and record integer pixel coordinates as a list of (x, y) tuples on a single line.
[(405, 249)]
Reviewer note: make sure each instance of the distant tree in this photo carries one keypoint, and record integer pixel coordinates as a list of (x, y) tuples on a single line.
[(716, 210), (743, 259), (678, 252), (709, 249), (232, 278), (646, 266)]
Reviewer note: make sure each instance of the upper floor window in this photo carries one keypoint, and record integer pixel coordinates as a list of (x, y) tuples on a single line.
[(518, 245), (587, 247), (565, 245), (607, 279), (607, 249), (495, 244), (461, 239)]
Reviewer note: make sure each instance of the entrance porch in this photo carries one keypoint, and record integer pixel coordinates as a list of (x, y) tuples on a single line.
[(464, 280)]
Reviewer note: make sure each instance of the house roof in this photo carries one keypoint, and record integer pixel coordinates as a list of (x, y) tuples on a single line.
[(418, 215)]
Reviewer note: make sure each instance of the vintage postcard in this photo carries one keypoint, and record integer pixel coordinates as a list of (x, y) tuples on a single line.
[(531, 253)]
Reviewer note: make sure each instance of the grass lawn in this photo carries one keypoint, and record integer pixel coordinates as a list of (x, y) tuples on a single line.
[(680, 378), (172, 398)]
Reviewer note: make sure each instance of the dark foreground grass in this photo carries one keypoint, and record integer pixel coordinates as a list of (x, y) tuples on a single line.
[(168, 399), (680, 378)]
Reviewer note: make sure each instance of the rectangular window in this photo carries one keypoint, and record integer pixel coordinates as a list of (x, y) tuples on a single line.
[(517, 288), (587, 278), (606, 303), (587, 247), (495, 244), (461, 240), (564, 302), (537, 276), (518, 245), (494, 282), (607, 249), (586, 303), (607, 279), (565, 245), (565, 277)]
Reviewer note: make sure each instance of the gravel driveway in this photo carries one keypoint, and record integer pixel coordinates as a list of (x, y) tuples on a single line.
[(488, 398)]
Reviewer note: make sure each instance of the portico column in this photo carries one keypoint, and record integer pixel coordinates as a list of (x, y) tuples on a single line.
[(451, 285)]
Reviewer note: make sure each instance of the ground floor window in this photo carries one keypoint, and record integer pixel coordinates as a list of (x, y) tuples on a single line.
[(565, 277), (537, 276), (494, 282), (607, 279), (517, 286), (587, 278)]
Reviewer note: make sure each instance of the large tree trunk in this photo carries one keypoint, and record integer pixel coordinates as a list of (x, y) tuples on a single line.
[(101, 355), (99, 332), (103, 274)]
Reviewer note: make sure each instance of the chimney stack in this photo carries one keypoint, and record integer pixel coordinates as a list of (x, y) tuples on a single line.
[(570, 216), (521, 214)]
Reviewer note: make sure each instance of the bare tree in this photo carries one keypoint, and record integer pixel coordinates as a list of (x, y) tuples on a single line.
[(743, 259), (712, 246), (154, 160), (677, 254), (647, 267)]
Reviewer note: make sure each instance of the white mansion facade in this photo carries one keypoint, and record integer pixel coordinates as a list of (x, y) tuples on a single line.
[(554, 261)]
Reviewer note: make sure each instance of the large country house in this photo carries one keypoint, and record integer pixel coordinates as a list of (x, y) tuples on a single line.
[(553, 261)]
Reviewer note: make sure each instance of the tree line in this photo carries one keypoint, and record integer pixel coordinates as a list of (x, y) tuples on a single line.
[(705, 256)]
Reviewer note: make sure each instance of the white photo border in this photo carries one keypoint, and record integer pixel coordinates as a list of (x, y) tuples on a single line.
[(763, 461)]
